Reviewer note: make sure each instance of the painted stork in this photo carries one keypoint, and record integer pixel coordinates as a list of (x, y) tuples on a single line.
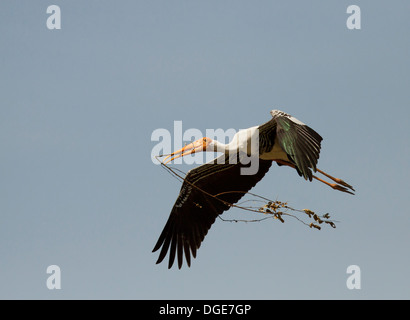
[(211, 188)]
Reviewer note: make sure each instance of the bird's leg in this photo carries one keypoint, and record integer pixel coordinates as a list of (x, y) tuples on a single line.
[(337, 180), (335, 186)]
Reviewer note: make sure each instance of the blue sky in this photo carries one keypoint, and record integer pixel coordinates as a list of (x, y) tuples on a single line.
[(78, 106)]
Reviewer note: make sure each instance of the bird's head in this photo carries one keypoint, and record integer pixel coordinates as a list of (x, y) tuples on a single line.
[(203, 144)]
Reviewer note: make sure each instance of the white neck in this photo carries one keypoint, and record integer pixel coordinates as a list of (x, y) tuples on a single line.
[(220, 147)]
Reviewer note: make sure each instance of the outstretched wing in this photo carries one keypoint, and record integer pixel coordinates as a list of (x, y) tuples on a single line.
[(206, 192), (300, 142)]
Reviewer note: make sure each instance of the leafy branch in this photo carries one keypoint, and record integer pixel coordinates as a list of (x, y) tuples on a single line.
[(271, 209)]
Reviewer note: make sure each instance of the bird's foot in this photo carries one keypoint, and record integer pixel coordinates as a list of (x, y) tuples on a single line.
[(340, 181), (341, 188)]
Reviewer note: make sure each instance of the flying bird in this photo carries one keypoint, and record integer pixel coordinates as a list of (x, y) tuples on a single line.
[(212, 188)]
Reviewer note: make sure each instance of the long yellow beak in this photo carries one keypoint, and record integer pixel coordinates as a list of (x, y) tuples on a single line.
[(196, 146)]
